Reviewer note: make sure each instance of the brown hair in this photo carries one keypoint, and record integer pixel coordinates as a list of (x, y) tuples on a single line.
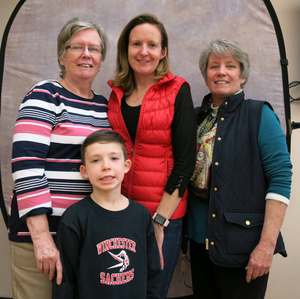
[(102, 136)]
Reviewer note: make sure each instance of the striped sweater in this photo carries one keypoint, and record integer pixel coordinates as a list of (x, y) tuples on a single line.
[(51, 126)]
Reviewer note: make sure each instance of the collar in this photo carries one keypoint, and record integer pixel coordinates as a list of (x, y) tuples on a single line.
[(229, 105), (119, 91)]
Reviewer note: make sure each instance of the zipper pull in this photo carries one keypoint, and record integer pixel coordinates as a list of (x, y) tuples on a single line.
[(132, 151), (206, 244)]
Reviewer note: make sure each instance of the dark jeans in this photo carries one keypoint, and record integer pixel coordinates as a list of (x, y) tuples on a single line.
[(171, 250), (215, 282)]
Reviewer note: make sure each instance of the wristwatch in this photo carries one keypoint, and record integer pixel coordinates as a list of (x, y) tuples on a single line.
[(161, 220)]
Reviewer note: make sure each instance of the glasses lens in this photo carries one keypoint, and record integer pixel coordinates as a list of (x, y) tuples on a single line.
[(95, 49), (79, 48)]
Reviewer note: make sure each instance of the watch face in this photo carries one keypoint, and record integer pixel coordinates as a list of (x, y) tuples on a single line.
[(160, 219)]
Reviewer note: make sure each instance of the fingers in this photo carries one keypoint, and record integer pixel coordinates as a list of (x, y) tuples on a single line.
[(59, 272), (249, 274), (40, 267), (51, 271), (161, 258), (253, 273)]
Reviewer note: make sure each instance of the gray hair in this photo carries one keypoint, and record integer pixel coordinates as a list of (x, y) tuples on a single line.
[(221, 48), (72, 27)]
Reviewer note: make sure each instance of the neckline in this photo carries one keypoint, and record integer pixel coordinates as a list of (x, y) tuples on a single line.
[(131, 107), (115, 214), (69, 91)]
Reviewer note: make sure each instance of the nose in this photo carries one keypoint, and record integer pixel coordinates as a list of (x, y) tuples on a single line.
[(144, 50), (86, 52), (105, 164), (222, 70)]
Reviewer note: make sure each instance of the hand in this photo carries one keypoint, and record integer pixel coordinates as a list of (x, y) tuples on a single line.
[(159, 234), (47, 257), (260, 261), (46, 254), (262, 256)]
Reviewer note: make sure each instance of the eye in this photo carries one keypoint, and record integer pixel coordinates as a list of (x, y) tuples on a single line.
[(214, 67), (115, 158), (152, 45), (95, 49), (77, 47), (136, 44), (95, 160), (231, 66)]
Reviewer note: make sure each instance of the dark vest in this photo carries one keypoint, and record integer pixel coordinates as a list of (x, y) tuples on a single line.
[(238, 186)]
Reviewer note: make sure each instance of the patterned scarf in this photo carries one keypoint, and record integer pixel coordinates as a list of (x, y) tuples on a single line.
[(205, 145)]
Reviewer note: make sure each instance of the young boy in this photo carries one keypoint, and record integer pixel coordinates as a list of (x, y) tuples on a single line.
[(106, 241)]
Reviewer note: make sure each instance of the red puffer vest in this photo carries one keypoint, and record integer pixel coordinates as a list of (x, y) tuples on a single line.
[(151, 154)]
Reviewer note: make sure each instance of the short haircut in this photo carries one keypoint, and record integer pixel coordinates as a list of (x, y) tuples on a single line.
[(72, 27), (223, 48), (124, 76), (103, 136)]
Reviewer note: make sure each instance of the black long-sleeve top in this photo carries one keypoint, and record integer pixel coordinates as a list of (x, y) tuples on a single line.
[(105, 254)]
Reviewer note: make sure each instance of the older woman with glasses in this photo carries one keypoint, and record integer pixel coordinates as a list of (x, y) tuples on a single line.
[(241, 184), (53, 120)]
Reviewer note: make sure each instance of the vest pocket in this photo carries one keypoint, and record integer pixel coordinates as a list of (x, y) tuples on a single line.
[(242, 231)]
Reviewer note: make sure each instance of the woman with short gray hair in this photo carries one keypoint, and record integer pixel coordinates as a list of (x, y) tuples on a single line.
[(241, 184), (53, 120)]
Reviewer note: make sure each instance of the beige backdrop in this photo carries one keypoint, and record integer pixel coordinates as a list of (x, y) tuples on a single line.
[(284, 279)]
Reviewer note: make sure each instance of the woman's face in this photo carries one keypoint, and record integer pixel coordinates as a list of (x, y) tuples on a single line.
[(145, 50), (82, 65), (223, 76)]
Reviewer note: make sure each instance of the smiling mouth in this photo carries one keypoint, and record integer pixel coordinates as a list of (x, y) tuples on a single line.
[(221, 82), (143, 61), (107, 178), (85, 65)]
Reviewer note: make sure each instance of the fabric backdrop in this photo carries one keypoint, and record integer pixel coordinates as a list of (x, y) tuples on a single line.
[(30, 55)]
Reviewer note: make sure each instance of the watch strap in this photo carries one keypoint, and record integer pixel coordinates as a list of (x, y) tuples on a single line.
[(161, 220)]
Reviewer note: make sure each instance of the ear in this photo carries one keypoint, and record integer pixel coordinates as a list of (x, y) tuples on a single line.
[(83, 171), (127, 165), (163, 53), (243, 80), (205, 81), (61, 61)]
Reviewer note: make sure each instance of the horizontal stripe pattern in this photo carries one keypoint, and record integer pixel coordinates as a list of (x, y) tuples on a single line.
[(51, 126)]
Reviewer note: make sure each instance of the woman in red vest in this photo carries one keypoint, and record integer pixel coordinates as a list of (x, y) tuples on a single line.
[(153, 111)]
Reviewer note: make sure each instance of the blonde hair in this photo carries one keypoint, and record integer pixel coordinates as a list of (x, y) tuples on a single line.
[(124, 76)]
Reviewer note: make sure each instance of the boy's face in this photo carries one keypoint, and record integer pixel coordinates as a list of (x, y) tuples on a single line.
[(105, 165)]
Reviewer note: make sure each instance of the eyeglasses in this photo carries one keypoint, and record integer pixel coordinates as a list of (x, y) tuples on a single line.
[(79, 48)]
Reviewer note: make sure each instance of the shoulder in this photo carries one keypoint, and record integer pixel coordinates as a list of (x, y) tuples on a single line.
[(139, 208), (100, 98), (171, 79), (43, 94), (47, 84), (76, 211), (46, 90), (185, 88), (269, 118), (257, 104)]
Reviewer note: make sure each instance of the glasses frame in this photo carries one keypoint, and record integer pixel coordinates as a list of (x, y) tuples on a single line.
[(83, 48)]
